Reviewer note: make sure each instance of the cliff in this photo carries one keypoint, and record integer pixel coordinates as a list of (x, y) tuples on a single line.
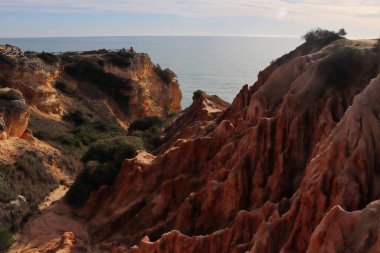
[(290, 166), (280, 170), (125, 84), (54, 107)]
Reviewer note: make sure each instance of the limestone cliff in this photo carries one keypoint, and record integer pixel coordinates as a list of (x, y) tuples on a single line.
[(125, 84), (273, 173)]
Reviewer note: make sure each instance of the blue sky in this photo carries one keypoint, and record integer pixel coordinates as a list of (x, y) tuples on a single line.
[(289, 18)]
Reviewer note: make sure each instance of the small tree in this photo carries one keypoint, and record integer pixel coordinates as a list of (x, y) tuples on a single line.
[(342, 32)]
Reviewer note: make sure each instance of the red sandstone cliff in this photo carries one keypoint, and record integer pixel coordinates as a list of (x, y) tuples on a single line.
[(273, 173)]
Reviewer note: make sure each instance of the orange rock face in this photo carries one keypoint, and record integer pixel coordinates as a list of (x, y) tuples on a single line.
[(280, 170), (153, 91), (14, 116)]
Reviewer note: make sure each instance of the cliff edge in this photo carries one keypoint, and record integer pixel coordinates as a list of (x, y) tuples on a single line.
[(272, 174)]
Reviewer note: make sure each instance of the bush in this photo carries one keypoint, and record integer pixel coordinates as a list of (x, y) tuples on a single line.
[(7, 60), (10, 94), (69, 140), (348, 66), (65, 88), (48, 58), (102, 165), (144, 123), (166, 75), (113, 149), (120, 59), (323, 36), (99, 51), (5, 238), (69, 57), (77, 116)]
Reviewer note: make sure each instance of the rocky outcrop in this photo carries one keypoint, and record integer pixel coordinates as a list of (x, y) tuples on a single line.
[(35, 79), (14, 114), (272, 173), (195, 120), (151, 95), (125, 84)]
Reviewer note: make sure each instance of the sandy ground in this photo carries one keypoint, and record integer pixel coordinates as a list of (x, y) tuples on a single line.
[(44, 232)]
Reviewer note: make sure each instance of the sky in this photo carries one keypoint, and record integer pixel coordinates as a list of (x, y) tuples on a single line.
[(269, 18)]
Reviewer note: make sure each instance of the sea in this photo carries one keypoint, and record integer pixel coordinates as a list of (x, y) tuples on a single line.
[(217, 65)]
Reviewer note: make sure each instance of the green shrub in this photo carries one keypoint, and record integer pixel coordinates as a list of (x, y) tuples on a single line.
[(48, 58), (113, 149), (347, 66), (5, 238), (44, 135), (120, 59), (166, 75), (69, 57), (99, 51), (77, 116), (6, 192), (102, 165), (65, 88), (7, 60), (10, 94), (323, 36), (69, 140), (144, 124)]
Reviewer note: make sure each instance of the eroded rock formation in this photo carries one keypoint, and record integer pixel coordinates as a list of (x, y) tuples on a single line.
[(14, 114), (287, 161)]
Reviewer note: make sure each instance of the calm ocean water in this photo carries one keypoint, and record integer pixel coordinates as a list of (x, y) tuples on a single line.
[(217, 65)]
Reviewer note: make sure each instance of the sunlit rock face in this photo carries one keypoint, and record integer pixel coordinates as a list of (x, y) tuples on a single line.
[(287, 161), (14, 114), (126, 84)]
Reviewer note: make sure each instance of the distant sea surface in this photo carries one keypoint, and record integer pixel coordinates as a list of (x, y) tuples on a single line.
[(218, 65)]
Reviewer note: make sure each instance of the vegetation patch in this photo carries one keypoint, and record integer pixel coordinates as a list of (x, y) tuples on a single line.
[(85, 130), (10, 94), (323, 36), (165, 74), (7, 60), (5, 238), (103, 162), (48, 58), (115, 86), (65, 88), (149, 129), (77, 116), (144, 124), (314, 41), (348, 66), (23, 186), (121, 58), (99, 51), (103, 158)]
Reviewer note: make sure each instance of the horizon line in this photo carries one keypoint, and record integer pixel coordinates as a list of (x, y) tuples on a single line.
[(97, 36)]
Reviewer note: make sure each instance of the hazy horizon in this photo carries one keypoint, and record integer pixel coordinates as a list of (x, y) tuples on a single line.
[(260, 18)]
